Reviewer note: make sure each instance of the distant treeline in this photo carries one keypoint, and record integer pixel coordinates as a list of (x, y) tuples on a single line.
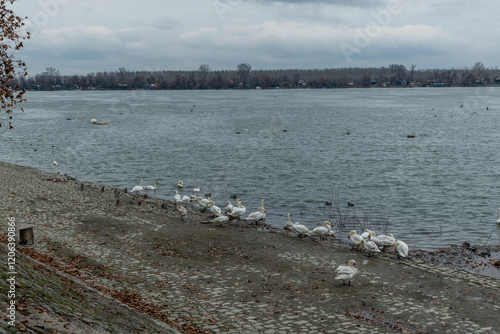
[(245, 78)]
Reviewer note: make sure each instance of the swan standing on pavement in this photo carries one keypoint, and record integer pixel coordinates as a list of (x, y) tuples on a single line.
[(185, 199), (289, 224), (382, 240), (347, 272), (401, 248), (369, 246), (238, 210), (229, 207), (355, 239), (214, 209), (301, 230), (322, 231), (138, 188), (220, 219), (203, 202), (177, 198)]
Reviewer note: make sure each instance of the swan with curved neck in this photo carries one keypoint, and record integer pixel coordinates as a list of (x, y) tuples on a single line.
[(347, 272), (369, 246), (301, 230), (355, 238), (401, 248), (138, 188), (177, 198), (153, 187), (238, 210), (229, 207), (322, 231)]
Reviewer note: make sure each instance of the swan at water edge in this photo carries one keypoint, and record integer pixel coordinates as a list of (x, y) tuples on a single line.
[(382, 240), (153, 187), (193, 197), (214, 209), (203, 202), (177, 198), (367, 233), (54, 162), (289, 224), (180, 184), (355, 238), (347, 272), (369, 246), (259, 214), (138, 188), (182, 210), (322, 231), (301, 230), (229, 207), (401, 248), (197, 190), (185, 199), (220, 219), (238, 210)]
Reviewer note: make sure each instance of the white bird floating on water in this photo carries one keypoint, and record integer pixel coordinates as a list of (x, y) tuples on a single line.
[(355, 238), (197, 190), (153, 187), (138, 188), (347, 272), (54, 162), (322, 231), (401, 248), (498, 220), (180, 184), (369, 246)]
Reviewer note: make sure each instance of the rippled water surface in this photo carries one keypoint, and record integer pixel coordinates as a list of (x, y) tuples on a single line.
[(340, 146)]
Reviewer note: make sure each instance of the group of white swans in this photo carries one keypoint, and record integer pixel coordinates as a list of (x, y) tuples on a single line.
[(368, 241), (232, 212)]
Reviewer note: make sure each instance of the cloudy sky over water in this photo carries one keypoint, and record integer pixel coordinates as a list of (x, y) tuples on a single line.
[(83, 36)]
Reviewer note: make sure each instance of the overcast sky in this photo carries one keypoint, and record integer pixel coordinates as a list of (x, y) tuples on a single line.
[(83, 36)]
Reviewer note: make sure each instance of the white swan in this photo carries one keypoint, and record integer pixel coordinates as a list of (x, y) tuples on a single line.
[(369, 246), (229, 207), (498, 220), (138, 188), (214, 209), (367, 233), (220, 219), (203, 202), (151, 187), (185, 199), (54, 162), (382, 240), (238, 210), (182, 210), (193, 197), (177, 198), (347, 272), (197, 190), (355, 238), (401, 248), (322, 231), (289, 224), (180, 184), (258, 215), (301, 230)]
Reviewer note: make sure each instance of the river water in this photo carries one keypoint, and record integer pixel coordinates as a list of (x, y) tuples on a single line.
[(297, 149)]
